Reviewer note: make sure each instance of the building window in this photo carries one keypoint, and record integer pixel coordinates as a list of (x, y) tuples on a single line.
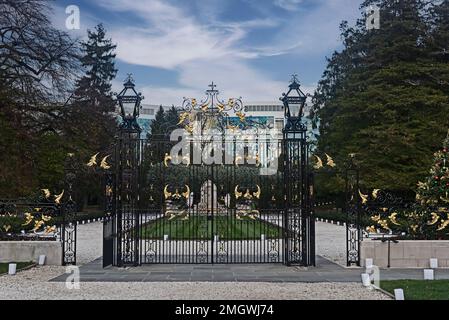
[(149, 112)]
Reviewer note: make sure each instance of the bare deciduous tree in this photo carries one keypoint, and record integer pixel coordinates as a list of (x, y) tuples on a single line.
[(38, 63)]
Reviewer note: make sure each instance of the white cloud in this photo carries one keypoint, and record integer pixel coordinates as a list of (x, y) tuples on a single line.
[(291, 5), (170, 38), (199, 53), (318, 30)]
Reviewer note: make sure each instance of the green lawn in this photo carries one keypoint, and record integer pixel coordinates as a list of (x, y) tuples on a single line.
[(20, 265), (199, 227), (419, 289)]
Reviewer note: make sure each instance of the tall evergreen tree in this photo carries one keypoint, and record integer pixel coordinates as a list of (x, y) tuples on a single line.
[(98, 60), (378, 97), (172, 119), (157, 125), (440, 34), (92, 122)]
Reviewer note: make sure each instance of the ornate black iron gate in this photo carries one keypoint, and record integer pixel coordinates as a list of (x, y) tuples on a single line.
[(233, 191)]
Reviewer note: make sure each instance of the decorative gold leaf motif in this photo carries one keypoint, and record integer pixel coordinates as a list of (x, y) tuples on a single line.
[(166, 159), (319, 163), (435, 218), (364, 197), (28, 218), (46, 218), (204, 107), (93, 160), (49, 229), (393, 218), (241, 116), (384, 224), (237, 193), (37, 225), (58, 197), (375, 193), (104, 164), (258, 192), (247, 195), (47, 193), (220, 107), (187, 193), (182, 117), (189, 128), (167, 194), (330, 161), (444, 224)]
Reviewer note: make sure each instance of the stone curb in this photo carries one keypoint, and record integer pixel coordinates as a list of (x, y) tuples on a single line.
[(90, 221), (338, 223)]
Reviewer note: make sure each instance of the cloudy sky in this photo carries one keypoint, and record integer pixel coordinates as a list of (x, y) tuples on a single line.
[(250, 48)]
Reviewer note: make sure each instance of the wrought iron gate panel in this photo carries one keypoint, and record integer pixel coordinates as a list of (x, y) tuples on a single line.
[(68, 228), (196, 213), (299, 221), (109, 221), (353, 212), (128, 164)]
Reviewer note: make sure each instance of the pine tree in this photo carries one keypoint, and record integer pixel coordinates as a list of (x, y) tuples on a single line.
[(380, 100), (172, 119), (157, 125), (94, 87), (92, 123), (440, 34)]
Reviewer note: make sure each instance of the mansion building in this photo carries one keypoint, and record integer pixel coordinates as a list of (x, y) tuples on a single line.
[(271, 113)]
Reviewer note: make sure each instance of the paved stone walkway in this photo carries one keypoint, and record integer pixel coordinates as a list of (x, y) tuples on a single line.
[(325, 271)]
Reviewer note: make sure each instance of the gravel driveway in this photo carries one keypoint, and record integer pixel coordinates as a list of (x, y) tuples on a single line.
[(89, 242), (331, 242), (33, 284)]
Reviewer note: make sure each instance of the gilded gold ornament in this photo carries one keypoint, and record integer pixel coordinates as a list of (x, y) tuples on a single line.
[(330, 161), (364, 197), (93, 160), (104, 164), (435, 218), (319, 163)]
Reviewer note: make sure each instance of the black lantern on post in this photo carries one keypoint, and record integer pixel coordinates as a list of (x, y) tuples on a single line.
[(299, 222), (294, 101), (129, 101)]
